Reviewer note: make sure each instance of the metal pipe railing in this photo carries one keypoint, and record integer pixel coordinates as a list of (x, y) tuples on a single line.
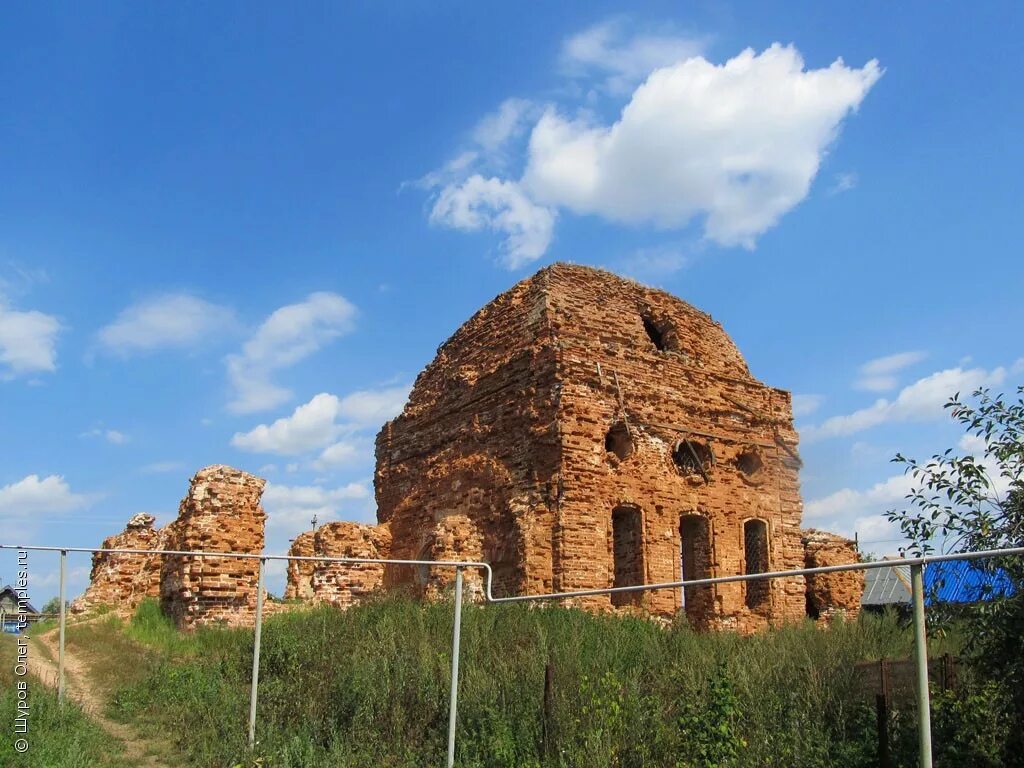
[(916, 565)]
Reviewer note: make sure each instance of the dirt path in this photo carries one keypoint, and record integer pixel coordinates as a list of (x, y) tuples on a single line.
[(82, 688)]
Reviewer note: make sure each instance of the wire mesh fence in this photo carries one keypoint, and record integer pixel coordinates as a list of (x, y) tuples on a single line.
[(887, 681)]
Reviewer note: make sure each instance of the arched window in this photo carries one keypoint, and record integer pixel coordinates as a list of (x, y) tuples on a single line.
[(755, 547), (695, 562), (627, 553)]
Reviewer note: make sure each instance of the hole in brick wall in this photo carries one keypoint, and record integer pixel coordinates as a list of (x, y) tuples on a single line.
[(749, 462), (654, 333), (618, 440), (693, 457), (695, 557), (755, 545), (627, 553)]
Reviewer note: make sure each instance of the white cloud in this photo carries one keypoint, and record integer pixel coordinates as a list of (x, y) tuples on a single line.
[(372, 407), (879, 375), (625, 59), (294, 506), (289, 335), (850, 503), (112, 436), (32, 496), (921, 401), (344, 453), (805, 405), (737, 144), (176, 320), (312, 425), (320, 422), (862, 512), (496, 129), (28, 342), (490, 203)]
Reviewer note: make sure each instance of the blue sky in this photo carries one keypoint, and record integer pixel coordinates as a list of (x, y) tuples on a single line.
[(235, 233)]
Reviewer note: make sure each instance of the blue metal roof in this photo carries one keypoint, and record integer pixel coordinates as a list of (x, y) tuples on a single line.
[(964, 581)]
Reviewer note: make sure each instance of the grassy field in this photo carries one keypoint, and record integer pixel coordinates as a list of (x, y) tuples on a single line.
[(59, 737), (369, 687)]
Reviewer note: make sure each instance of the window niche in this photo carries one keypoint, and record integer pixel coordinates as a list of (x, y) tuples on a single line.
[(749, 463), (755, 550), (627, 553), (693, 458), (654, 333), (618, 441), (695, 563)]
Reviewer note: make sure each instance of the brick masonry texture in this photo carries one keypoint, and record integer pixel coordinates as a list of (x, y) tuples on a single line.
[(580, 431), (583, 431), (832, 595), (120, 581), (221, 513)]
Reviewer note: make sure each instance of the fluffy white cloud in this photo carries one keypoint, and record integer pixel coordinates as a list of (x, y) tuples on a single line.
[(292, 507), (496, 129), (490, 203), (311, 426), (849, 503), (880, 374), (372, 407), (176, 320), (349, 452), (737, 144), (862, 512), (28, 342), (318, 424), (33, 495), (609, 49), (290, 334), (921, 401)]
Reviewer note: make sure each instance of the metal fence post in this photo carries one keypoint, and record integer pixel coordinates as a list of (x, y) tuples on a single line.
[(256, 653), (456, 639), (63, 619), (924, 714)]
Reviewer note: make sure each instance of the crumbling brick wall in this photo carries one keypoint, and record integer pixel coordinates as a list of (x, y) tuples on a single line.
[(299, 584), (122, 581), (221, 513), (343, 584), (831, 595), (577, 399)]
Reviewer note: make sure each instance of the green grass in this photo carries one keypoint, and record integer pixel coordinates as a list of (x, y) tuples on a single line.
[(369, 687), (59, 736)]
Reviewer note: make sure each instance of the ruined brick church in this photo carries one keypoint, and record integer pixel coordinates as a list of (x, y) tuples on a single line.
[(583, 431)]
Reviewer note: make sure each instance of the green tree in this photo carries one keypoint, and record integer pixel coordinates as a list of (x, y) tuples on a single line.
[(52, 605), (974, 500)]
